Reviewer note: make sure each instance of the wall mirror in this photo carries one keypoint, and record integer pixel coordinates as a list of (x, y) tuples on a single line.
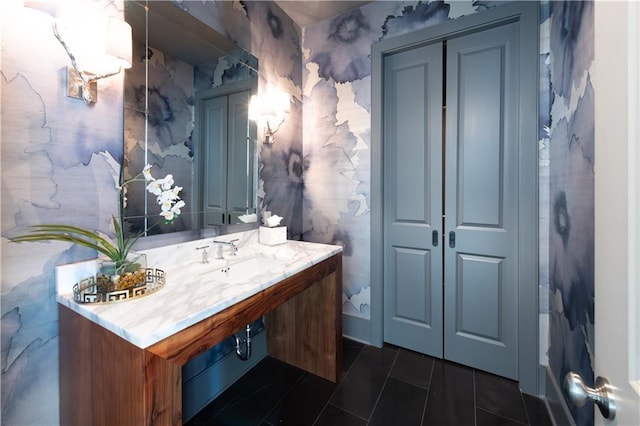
[(186, 103)]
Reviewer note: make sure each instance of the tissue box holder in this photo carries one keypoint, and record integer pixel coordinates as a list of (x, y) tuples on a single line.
[(273, 236)]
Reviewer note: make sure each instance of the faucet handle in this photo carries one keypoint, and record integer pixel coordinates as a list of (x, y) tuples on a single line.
[(226, 243), (205, 254)]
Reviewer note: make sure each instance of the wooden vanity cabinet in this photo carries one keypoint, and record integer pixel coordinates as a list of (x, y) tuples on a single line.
[(105, 380)]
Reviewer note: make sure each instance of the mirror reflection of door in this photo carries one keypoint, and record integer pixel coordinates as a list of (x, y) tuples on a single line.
[(228, 154)]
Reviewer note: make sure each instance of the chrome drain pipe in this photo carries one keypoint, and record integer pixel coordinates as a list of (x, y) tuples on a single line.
[(246, 353)]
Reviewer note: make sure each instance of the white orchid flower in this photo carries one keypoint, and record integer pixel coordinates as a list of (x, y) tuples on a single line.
[(154, 188), (124, 197), (168, 216), (146, 172), (167, 182), (176, 208), (167, 196)]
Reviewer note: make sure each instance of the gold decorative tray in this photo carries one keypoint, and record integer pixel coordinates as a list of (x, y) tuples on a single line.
[(87, 290)]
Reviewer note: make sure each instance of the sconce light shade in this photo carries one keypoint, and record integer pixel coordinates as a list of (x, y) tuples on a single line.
[(86, 67), (50, 7), (270, 107), (97, 47)]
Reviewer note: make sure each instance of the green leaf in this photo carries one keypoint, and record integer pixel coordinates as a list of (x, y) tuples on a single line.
[(71, 234)]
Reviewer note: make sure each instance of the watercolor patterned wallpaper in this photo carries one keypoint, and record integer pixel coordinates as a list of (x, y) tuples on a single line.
[(571, 196), (337, 105), (60, 164), (61, 160), (337, 108)]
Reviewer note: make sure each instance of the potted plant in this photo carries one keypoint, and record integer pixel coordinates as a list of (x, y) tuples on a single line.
[(119, 268)]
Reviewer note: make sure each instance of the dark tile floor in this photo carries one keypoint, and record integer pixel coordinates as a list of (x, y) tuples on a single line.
[(381, 386)]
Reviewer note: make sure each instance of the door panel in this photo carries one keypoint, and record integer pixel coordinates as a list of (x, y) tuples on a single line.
[(478, 298), (229, 158), (412, 299), (215, 166), (481, 200), (412, 199), (240, 161), (480, 98)]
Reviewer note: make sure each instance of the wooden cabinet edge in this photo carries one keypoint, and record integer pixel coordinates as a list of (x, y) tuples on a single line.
[(200, 337)]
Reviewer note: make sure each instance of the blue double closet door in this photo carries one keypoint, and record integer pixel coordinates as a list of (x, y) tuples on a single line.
[(450, 198)]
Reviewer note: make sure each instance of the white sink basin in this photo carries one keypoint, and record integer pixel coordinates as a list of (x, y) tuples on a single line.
[(241, 270)]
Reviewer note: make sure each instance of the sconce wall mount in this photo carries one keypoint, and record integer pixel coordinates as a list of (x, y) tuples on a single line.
[(82, 83), (269, 108)]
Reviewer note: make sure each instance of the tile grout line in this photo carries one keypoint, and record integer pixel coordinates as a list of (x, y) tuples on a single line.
[(504, 417), (526, 409), (284, 397), (475, 399), (426, 400), (338, 385), (373, 409)]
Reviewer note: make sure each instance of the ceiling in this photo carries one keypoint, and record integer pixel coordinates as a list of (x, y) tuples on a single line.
[(307, 12), (200, 43)]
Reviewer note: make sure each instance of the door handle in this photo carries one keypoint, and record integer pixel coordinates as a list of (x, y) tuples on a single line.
[(601, 394), (434, 238), (452, 239)]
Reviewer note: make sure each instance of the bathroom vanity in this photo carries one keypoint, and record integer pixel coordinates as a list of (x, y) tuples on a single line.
[(121, 363)]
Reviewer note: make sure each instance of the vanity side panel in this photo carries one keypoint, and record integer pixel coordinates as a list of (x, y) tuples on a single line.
[(306, 331), (163, 396), (76, 392), (105, 380), (118, 379)]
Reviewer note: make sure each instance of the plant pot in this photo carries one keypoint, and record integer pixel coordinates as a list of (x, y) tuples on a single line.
[(115, 276), (105, 286)]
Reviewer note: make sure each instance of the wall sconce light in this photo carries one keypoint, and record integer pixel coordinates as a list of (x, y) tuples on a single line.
[(98, 45), (100, 57), (269, 108)]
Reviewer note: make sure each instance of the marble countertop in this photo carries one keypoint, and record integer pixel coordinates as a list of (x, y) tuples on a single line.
[(190, 293)]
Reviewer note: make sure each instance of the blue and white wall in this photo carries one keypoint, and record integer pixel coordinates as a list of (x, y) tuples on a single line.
[(337, 107), (61, 162), (337, 98), (571, 196), (337, 129), (61, 159)]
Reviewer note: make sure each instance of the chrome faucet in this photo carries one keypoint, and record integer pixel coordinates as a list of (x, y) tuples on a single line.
[(221, 244), (205, 254)]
